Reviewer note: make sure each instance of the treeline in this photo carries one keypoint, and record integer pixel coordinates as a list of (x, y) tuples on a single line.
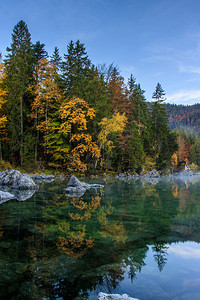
[(187, 116), (64, 112), (188, 146)]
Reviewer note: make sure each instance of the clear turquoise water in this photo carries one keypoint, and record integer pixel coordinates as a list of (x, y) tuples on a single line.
[(130, 237)]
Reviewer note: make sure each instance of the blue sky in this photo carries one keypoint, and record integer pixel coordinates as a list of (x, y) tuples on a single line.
[(155, 40)]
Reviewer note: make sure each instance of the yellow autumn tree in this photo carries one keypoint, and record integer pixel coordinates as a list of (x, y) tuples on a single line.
[(45, 111), (115, 124), (174, 161), (3, 97), (75, 114)]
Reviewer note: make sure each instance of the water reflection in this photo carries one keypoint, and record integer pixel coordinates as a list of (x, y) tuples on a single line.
[(55, 246)]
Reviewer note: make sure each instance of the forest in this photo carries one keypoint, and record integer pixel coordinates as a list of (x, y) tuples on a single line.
[(187, 116), (65, 113)]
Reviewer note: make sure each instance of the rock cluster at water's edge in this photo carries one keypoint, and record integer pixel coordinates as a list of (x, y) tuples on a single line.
[(16, 180), (77, 188)]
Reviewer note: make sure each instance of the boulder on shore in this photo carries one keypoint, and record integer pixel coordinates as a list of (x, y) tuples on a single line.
[(104, 296), (16, 180), (77, 188)]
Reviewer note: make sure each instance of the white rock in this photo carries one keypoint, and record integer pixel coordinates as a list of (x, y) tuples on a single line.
[(5, 196), (104, 296), (17, 180), (78, 188)]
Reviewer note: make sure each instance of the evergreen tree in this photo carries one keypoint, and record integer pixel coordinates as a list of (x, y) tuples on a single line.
[(139, 113), (56, 58), (76, 68), (195, 152), (164, 140), (19, 69), (39, 51), (97, 95)]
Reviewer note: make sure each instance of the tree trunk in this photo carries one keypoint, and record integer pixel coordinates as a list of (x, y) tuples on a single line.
[(0, 150), (21, 131)]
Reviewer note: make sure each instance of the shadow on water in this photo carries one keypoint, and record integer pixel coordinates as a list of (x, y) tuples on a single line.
[(55, 247)]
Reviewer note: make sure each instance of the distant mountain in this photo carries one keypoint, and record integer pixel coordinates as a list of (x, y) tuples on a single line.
[(187, 116)]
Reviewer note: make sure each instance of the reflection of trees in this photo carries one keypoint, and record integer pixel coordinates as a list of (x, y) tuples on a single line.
[(74, 243), (72, 237), (60, 246), (115, 230), (160, 255), (135, 261)]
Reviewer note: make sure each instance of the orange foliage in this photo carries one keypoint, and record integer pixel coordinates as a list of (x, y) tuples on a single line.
[(76, 113), (3, 97)]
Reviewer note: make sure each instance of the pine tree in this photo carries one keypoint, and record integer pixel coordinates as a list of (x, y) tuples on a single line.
[(39, 51), (97, 95), (19, 68), (139, 112), (56, 58), (164, 140), (75, 67)]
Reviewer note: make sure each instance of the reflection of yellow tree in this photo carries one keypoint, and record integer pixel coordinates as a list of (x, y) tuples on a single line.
[(71, 235), (86, 208), (75, 244), (184, 196), (150, 190), (114, 230), (175, 190)]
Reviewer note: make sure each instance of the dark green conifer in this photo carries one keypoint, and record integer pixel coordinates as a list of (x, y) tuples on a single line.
[(19, 64), (163, 139)]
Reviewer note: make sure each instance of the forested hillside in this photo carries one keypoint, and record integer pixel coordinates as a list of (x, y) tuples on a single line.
[(65, 112), (184, 116)]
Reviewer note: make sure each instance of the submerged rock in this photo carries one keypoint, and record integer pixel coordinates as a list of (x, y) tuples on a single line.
[(104, 296), (43, 177), (77, 188), (16, 180), (75, 191), (22, 195), (74, 182), (5, 196)]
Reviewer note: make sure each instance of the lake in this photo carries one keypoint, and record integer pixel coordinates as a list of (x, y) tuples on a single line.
[(130, 237)]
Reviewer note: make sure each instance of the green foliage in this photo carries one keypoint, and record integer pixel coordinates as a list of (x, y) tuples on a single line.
[(164, 141), (19, 70), (51, 100)]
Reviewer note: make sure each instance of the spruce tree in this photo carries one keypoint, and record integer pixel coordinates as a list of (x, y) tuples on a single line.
[(76, 68), (39, 51), (19, 69), (56, 58), (164, 140)]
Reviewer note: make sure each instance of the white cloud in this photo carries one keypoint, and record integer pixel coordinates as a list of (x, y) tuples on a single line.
[(126, 71), (184, 97), (189, 69), (187, 251)]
